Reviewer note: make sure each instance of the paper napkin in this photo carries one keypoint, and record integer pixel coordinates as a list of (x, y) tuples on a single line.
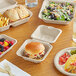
[(14, 69)]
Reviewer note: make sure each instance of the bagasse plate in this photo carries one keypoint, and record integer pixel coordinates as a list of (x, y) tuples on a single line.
[(46, 3), (10, 39), (48, 48), (61, 67)]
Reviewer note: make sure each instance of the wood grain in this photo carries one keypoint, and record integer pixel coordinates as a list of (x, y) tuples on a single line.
[(24, 31)]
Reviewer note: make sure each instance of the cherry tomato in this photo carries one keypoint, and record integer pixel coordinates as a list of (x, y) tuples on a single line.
[(63, 58)]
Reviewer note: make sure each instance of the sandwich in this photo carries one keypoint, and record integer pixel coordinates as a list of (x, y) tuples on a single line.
[(16, 13), (22, 11), (12, 15), (35, 50), (70, 65)]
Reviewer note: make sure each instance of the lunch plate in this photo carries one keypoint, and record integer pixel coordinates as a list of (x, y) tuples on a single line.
[(42, 35), (46, 3), (10, 39), (61, 67)]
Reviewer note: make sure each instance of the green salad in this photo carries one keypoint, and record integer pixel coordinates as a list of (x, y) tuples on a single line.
[(58, 11)]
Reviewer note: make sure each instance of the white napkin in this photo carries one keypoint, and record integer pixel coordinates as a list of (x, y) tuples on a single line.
[(14, 69)]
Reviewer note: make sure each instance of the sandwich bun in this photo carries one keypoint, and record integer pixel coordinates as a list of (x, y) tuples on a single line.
[(34, 48)]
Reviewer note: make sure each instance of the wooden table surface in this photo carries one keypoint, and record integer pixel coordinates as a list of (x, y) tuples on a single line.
[(24, 31)]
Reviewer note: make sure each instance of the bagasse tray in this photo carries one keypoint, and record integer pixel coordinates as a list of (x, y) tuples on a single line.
[(16, 23), (39, 36), (61, 67), (9, 4), (10, 39), (48, 48), (46, 3)]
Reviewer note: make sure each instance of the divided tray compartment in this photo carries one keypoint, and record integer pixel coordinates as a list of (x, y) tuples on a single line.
[(24, 20), (38, 36), (13, 4), (56, 60), (4, 28), (46, 3), (10, 39)]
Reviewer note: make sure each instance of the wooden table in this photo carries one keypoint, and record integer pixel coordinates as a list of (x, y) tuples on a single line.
[(24, 31)]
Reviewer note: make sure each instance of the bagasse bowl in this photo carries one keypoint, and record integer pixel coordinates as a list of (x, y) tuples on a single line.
[(10, 39), (46, 3), (48, 48)]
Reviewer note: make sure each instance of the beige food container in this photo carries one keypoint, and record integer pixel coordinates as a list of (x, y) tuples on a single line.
[(8, 4), (46, 3), (45, 35), (10, 39)]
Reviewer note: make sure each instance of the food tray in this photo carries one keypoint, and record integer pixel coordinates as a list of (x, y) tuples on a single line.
[(39, 36), (16, 23), (61, 67), (45, 3), (10, 39), (19, 22), (48, 48)]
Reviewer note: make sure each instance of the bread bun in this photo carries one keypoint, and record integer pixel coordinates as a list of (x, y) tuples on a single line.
[(34, 48)]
